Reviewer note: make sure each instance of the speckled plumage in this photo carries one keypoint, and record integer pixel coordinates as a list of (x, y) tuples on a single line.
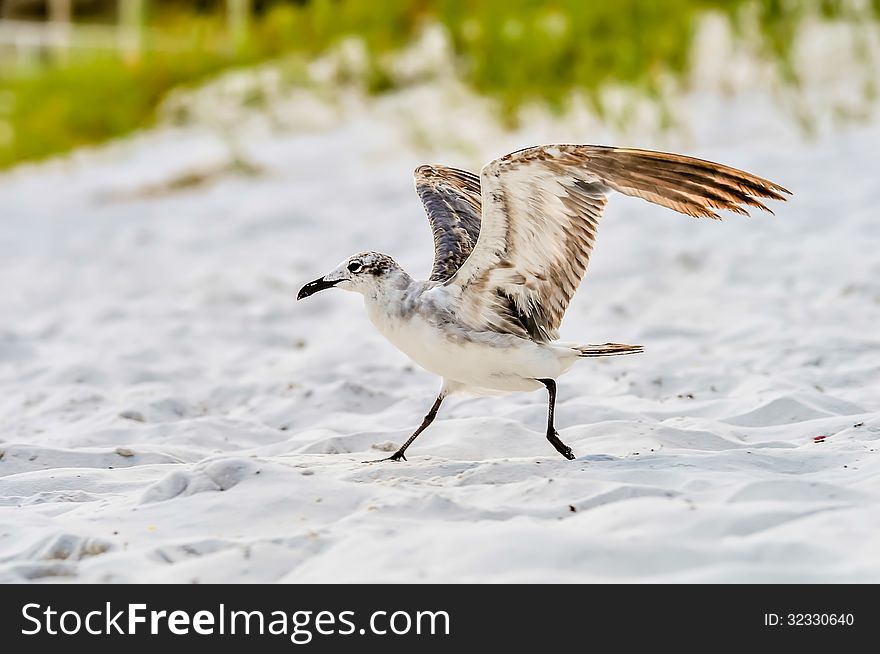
[(539, 210)]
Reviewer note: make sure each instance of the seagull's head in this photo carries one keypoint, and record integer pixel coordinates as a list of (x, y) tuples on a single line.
[(364, 273)]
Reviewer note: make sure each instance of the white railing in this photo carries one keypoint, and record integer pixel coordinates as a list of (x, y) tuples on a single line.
[(60, 35), (26, 38)]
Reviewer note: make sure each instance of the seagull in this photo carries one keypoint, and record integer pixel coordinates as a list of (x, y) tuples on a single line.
[(510, 249)]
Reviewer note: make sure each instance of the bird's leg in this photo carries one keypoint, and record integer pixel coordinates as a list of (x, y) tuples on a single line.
[(398, 455), (552, 435)]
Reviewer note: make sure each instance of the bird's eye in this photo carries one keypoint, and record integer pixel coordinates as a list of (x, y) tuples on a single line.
[(354, 266)]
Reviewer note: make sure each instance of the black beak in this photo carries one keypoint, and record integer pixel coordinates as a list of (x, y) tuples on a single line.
[(313, 287)]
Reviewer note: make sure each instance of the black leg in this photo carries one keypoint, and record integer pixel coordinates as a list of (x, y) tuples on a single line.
[(398, 455), (552, 436)]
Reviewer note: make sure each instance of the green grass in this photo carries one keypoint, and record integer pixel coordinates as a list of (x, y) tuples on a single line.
[(513, 50), (89, 102), (57, 106)]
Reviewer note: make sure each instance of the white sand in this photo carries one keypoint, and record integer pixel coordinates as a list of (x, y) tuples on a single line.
[(168, 412)]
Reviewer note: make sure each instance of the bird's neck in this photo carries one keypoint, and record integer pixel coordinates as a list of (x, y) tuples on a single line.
[(391, 284), (391, 295)]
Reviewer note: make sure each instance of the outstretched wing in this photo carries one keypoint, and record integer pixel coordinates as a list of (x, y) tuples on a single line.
[(452, 202), (541, 210)]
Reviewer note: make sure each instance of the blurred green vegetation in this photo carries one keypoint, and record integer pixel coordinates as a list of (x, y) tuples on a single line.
[(89, 102), (513, 50)]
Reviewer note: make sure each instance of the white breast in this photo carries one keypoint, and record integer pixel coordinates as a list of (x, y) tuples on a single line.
[(495, 362)]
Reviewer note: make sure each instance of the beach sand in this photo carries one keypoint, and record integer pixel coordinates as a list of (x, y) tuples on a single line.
[(170, 413)]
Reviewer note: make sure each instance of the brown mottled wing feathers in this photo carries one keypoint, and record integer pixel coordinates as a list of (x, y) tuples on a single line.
[(694, 187), (541, 210), (452, 202)]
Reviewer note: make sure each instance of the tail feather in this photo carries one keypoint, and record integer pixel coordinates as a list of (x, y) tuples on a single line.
[(608, 350)]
